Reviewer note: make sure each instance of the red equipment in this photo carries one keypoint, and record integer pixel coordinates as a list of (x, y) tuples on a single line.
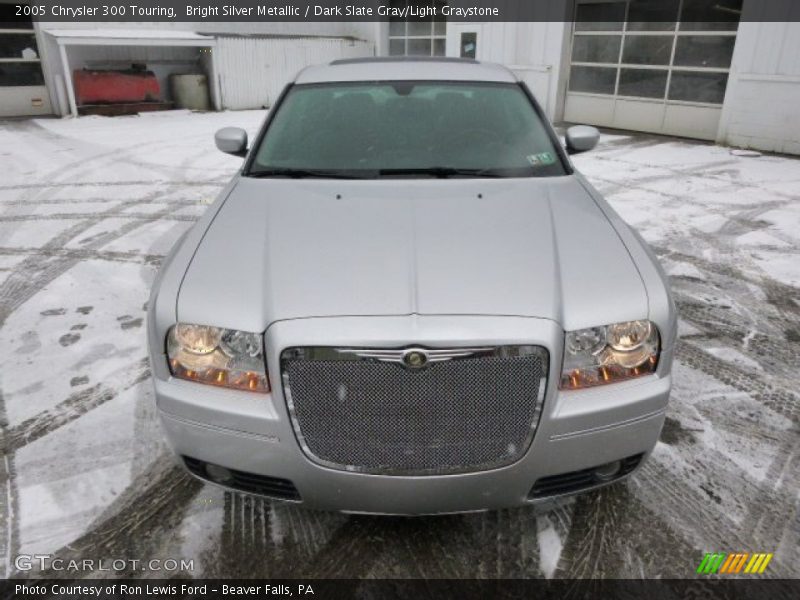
[(111, 87)]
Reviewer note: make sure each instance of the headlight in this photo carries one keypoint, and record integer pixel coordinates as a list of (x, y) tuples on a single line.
[(224, 357), (608, 354)]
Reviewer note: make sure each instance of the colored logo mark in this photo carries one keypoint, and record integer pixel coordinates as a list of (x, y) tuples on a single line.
[(732, 563)]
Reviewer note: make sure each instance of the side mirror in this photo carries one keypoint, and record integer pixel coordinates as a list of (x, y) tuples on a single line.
[(231, 140), (581, 138)]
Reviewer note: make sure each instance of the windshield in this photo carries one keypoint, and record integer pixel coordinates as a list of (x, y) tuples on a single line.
[(406, 129)]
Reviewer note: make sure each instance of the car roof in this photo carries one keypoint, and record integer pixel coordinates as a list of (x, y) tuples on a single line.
[(406, 69)]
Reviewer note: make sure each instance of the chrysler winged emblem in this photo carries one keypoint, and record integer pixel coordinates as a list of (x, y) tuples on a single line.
[(415, 358)]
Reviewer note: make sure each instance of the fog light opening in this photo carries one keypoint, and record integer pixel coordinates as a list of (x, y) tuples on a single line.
[(218, 474), (608, 471)]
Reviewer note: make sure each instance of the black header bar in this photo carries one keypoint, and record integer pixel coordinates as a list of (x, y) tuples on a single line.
[(458, 11), (440, 589)]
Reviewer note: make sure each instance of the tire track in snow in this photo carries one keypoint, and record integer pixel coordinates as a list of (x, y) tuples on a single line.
[(505, 543), (20, 286), (704, 524), (83, 254), (351, 551), (156, 501), (769, 505), (50, 202), (702, 170), (260, 538), (316, 544), (778, 529), (33, 273), (705, 491), (614, 535), (76, 405), (114, 214), (759, 387), (79, 184)]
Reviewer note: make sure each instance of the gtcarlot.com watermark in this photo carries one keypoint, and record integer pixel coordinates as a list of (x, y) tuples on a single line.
[(26, 562)]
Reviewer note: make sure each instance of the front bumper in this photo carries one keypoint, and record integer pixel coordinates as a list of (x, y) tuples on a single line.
[(252, 433)]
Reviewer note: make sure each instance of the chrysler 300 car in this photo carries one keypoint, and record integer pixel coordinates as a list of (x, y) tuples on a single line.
[(408, 301)]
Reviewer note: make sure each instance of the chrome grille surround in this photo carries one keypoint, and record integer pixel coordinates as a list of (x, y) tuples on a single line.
[(364, 410)]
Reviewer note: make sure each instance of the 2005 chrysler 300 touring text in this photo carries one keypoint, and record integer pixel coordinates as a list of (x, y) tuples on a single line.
[(409, 302)]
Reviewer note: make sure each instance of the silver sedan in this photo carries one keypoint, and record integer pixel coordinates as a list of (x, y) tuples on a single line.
[(408, 301)]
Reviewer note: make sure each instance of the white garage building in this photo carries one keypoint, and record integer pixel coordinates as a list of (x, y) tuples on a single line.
[(705, 69)]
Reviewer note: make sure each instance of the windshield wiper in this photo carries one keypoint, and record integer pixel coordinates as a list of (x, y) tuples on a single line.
[(305, 173), (438, 172), (442, 172)]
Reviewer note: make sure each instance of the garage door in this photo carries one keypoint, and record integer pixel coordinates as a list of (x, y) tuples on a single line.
[(652, 65), (22, 89)]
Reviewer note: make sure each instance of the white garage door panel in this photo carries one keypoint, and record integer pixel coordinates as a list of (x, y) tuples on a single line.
[(699, 122), (26, 100), (591, 110), (639, 115)]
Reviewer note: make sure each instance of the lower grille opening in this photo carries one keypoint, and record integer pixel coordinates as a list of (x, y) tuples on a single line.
[(575, 481), (262, 485)]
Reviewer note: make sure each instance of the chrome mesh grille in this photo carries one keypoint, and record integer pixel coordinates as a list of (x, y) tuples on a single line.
[(364, 414)]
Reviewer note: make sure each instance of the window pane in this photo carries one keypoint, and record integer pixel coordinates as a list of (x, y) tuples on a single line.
[(709, 26), (439, 47), (397, 27), (649, 83), (711, 15), (469, 44), (420, 27), (704, 51), (698, 87), (18, 45), (596, 48), (12, 74), (440, 24), (419, 47), (397, 47), (598, 80), (652, 15), (605, 16), (647, 50), (9, 18)]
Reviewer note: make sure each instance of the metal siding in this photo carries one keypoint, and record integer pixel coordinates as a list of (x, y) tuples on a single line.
[(760, 109), (254, 70), (533, 51)]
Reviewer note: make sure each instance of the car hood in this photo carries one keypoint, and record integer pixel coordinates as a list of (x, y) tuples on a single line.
[(537, 247)]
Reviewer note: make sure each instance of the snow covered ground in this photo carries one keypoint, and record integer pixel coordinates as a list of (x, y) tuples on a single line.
[(87, 209)]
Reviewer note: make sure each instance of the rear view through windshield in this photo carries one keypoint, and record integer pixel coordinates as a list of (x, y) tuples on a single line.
[(388, 129)]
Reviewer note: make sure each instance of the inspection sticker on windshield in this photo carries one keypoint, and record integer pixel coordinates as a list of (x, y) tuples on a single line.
[(542, 159)]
